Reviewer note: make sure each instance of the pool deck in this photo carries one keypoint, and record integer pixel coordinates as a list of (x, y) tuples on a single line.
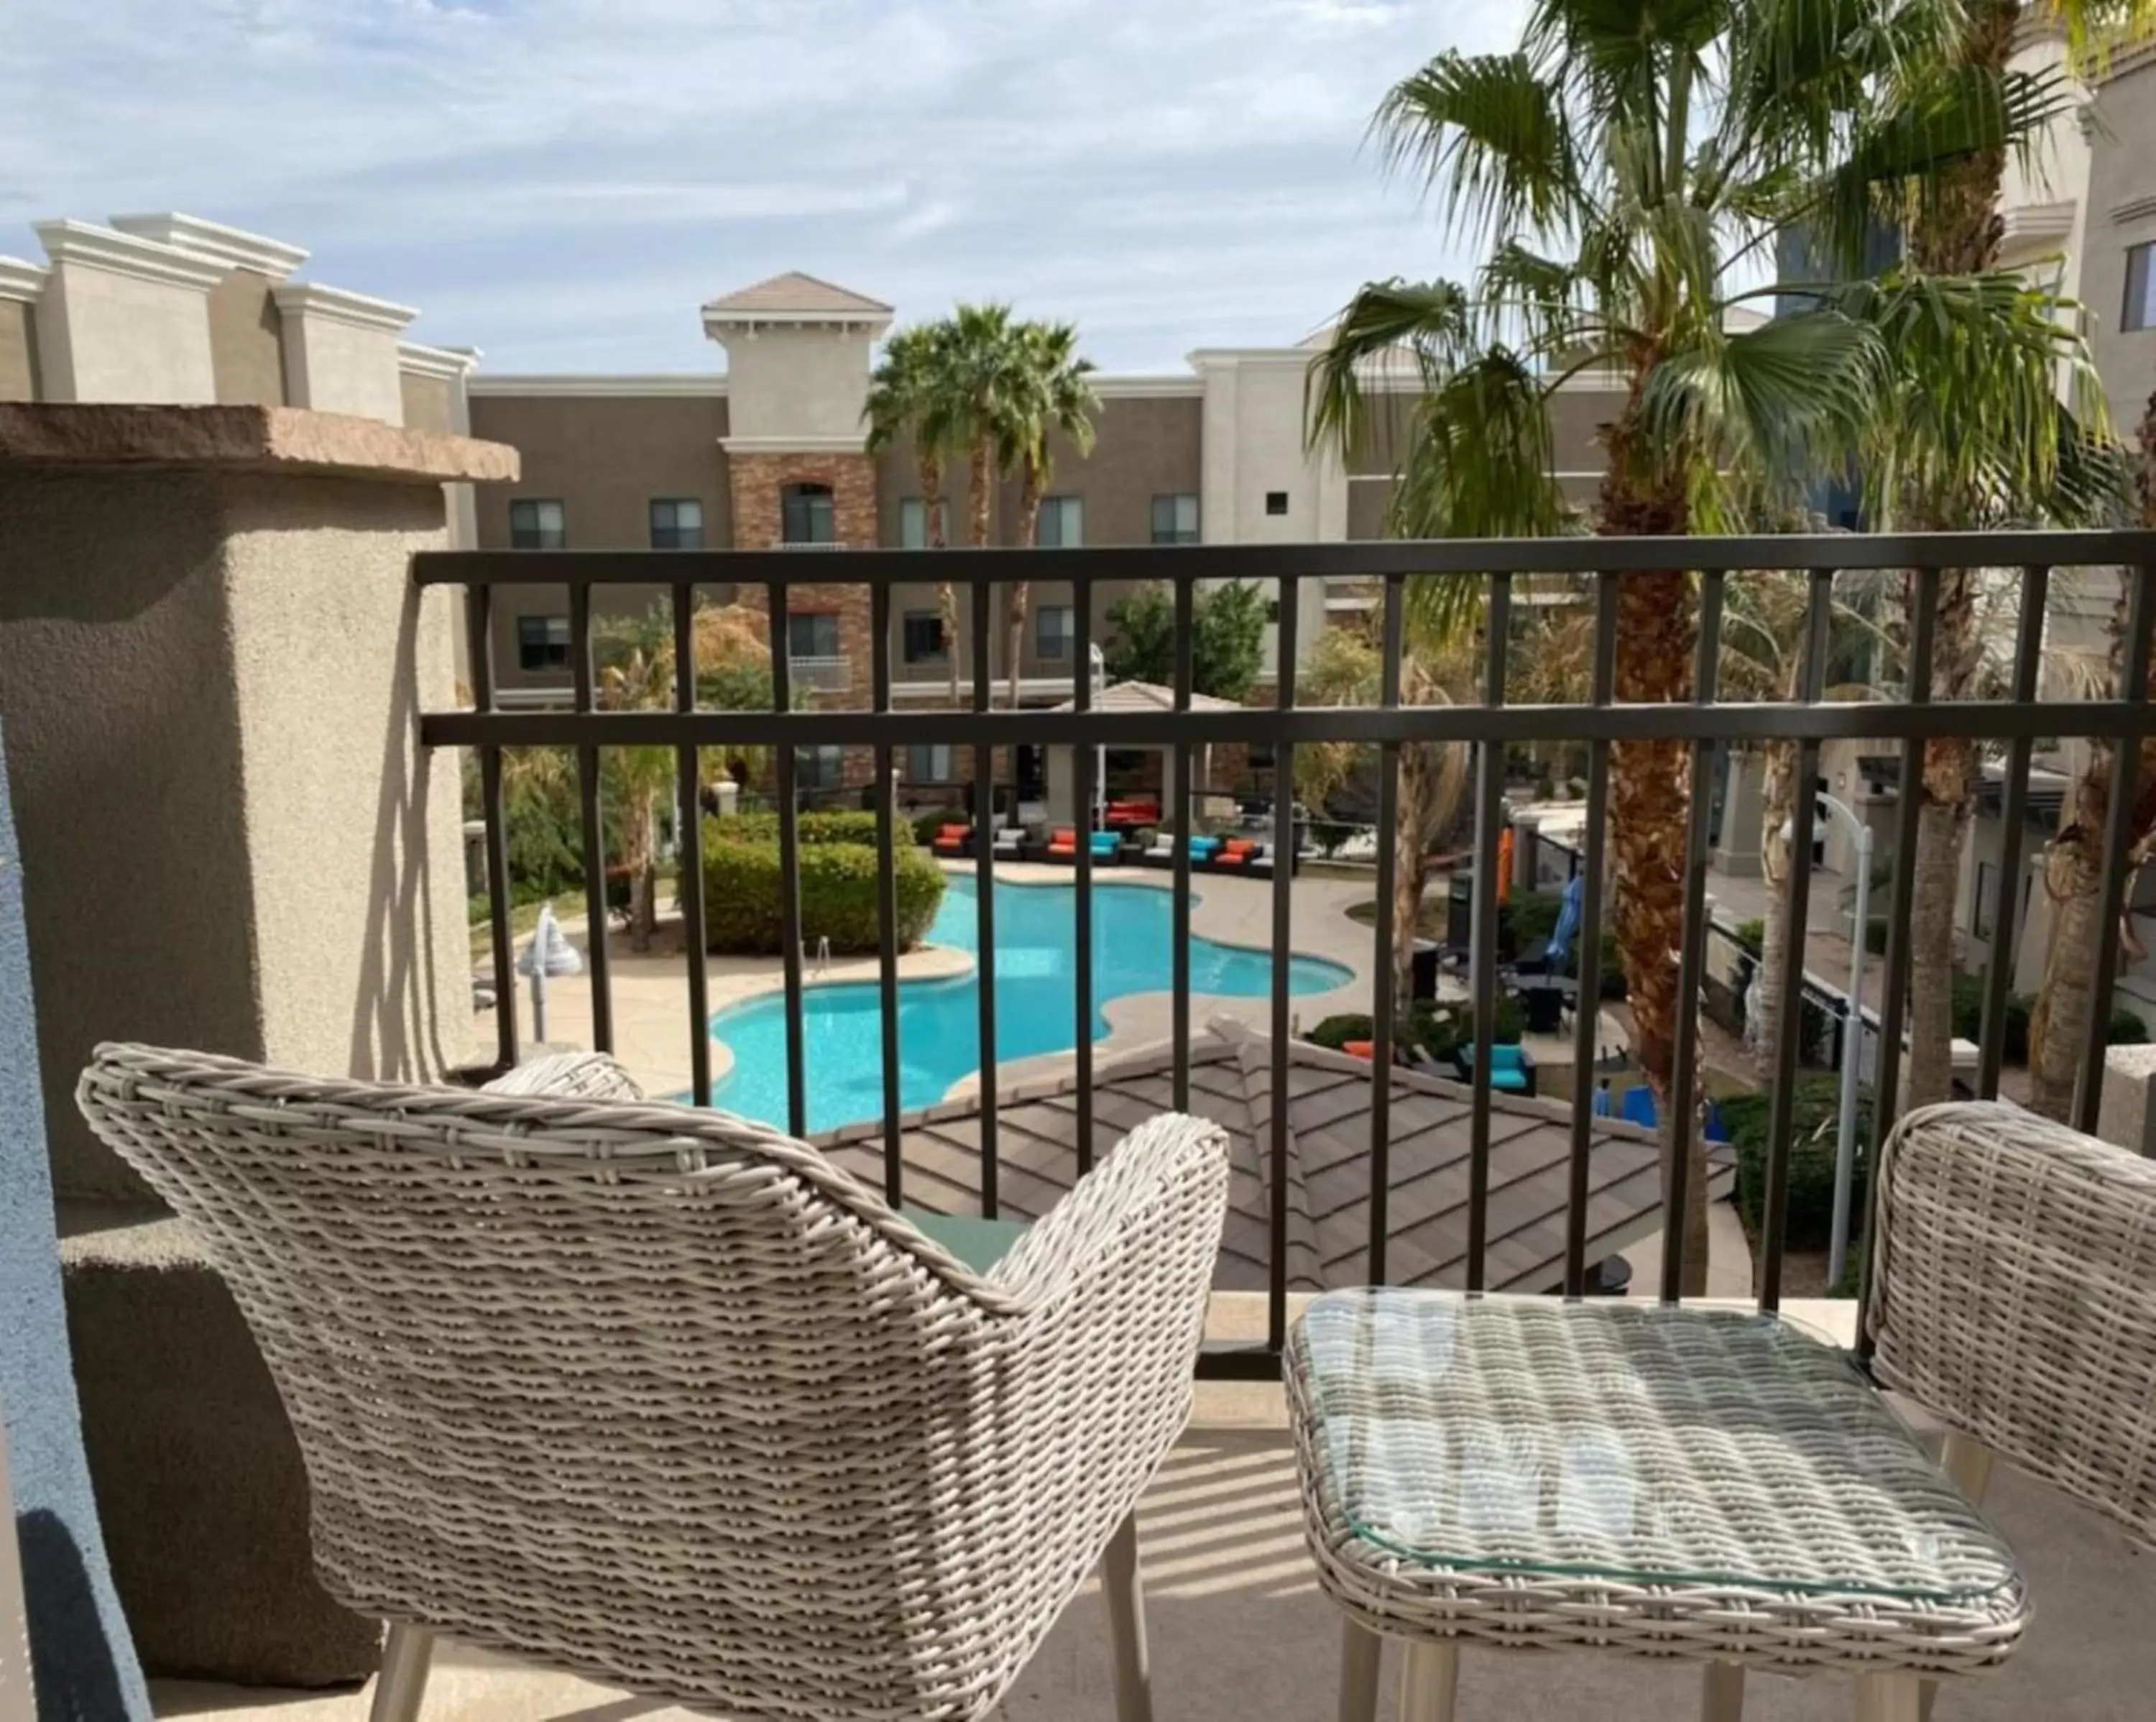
[(650, 990)]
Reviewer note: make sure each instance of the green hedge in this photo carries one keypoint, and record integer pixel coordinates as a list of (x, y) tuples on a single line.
[(837, 895), (1438, 1029), (1533, 914), (837, 824), (927, 826), (1811, 1158), (2124, 1029)]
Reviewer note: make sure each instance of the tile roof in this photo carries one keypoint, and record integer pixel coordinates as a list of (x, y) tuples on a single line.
[(1149, 696), (1329, 1179), (797, 294)]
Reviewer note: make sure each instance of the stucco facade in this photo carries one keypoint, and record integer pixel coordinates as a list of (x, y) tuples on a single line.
[(2121, 215)]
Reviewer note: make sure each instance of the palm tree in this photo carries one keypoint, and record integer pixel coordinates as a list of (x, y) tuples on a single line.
[(1053, 394), (1626, 165), (913, 392)]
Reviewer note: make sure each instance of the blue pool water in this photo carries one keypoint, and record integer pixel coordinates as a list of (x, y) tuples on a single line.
[(938, 1020)]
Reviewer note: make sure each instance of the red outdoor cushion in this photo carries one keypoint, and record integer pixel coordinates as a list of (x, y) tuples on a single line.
[(1359, 1049), (954, 834)]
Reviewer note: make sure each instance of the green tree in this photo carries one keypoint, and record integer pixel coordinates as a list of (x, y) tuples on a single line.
[(1227, 642), (1052, 394), (1625, 167), (914, 392)]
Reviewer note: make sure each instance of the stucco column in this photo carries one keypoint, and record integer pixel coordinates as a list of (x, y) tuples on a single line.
[(212, 658)]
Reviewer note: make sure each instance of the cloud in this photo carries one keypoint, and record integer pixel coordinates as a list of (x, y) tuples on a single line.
[(562, 181)]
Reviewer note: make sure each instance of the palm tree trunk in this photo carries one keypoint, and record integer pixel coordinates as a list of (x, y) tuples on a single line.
[(643, 847), (1777, 801), (1021, 592), (932, 525), (1418, 784)]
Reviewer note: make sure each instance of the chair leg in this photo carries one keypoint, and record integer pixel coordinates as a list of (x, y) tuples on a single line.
[(1968, 1462), (1888, 1698), (402, 1683), (1362, 1657), (1429, 1680), (1127, 1633), (1722, 1692)]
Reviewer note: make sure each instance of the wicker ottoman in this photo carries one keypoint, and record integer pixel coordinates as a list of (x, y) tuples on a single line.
[(1713, 1485)]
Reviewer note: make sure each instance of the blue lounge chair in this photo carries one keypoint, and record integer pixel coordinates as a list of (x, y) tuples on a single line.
[(1108, 846), (1640, 1106), (1508, 1071)]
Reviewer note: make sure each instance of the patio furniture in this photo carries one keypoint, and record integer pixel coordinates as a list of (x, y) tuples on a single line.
[(1130, 814), (1545, 1001), (1512, 1067), (661, 1396), (1108, 847), (1712, 1485), (1063, 844), (1638, 1108), (953, 839), (1009, 842), (1237, 854)]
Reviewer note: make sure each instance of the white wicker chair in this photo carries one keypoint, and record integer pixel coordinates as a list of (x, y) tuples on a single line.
[(661, 1396), (2014, 1297)]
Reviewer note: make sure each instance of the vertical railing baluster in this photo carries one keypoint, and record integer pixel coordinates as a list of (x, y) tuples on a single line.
[(2118, 833), (594, 820), (1186, 826), (1384, 988), (1894, 974), (478, 629), (1084, 790), (1489, 809), (688, 847), (984, 887), (1782, 1109), (1284, 855), (886, 805), (789, 861), (2005, 915), (1586, 995), (1682, 1123)]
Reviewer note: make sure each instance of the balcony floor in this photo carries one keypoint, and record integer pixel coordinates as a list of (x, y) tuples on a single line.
[(1240, 1633)]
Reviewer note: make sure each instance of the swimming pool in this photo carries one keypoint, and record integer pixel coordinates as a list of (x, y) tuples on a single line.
[(939, 1020)]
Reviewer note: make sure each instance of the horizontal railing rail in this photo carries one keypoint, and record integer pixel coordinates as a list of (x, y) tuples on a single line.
[(1604, 724)]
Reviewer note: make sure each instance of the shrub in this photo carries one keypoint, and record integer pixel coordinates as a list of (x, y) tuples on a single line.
[(1752, 933), (1533, 914), (833, 824), (838, 896), (1437, 1029), (1811, 1158), (1614, 986), (2125, 1028), (927, 825)]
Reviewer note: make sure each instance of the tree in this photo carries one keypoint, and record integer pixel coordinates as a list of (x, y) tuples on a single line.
[(1624, 167), (914, 392), (1227, 643), (1050, 395)]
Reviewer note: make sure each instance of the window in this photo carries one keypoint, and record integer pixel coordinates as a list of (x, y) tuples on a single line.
[(805, 514), (2140, 287), (1276, 502), (1051, 630), (924, 637), (677, 523), (812, 634), (537, 524), (928, 764), (1062, 523), (1175, 519), (542, 642), (819, 768), (913, 521)]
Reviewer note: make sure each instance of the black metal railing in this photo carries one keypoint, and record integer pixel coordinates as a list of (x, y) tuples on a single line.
[(1703, 725)]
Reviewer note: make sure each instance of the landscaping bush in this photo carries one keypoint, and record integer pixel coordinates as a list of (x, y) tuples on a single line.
[(1752, 933), (830, 824), (927, 826), (1811, 1158), (1533, 914), (1613, 985), (1437, 1029), (2125, 1028), (837, 895)]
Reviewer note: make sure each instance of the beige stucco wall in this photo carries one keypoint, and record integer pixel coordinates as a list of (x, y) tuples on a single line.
[(246, 340), (1254, 445), (103, 337), (797, 384), (229, 840), (428, 401), (2122, 212), (19, 351), (333, 366)]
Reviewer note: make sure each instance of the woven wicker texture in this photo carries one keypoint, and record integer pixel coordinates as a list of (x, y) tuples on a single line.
[(1696, 1484), (2014, 1295), (660, 1395)]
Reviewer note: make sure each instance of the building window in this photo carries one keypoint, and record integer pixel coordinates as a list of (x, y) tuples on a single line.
[(542, 643), (805, 515), (930, 765), (1051, 630), (819, 768), (537, 523), (2140, 287), (924, 637), (1276, 502), (913, 521), (1175, 519), (1062, 523), (677, 523), (812, 634)]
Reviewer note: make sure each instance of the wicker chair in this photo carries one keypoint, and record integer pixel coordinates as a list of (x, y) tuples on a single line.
[(662, 1397)]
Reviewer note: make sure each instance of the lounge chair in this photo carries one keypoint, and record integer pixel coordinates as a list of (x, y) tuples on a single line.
[(953, 839), (1063, 844), (1107, 848), (1236, 855), (661, 1395)]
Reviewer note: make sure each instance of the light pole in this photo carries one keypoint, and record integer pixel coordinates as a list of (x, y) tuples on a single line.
[(549, 953), (1852, 1048), (1097, 669)]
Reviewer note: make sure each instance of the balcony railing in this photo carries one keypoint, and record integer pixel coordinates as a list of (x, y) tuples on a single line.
[(1601, 722), (830, 674)]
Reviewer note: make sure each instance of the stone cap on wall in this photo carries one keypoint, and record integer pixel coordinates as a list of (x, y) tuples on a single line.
[(244, 439)]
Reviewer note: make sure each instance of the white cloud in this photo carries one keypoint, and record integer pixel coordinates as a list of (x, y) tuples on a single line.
[(562, 182)]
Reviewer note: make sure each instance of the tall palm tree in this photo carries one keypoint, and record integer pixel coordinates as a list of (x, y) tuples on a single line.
[(1625, 166), (1053, 394), (914, 392)]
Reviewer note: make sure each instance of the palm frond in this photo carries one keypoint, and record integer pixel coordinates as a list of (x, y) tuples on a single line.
[(1420, 326), (1488, 130)]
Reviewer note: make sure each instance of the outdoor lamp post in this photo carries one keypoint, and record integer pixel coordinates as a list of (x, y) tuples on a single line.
[(549, 953), (1852, 1051), (1096, 669)]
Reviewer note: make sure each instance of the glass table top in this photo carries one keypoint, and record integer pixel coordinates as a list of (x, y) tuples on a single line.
[(1625, 1440)]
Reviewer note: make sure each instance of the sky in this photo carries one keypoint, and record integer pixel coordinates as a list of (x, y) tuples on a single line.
[(562, 182)]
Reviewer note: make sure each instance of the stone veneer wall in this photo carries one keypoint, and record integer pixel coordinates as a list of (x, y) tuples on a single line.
[(758, 482)]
